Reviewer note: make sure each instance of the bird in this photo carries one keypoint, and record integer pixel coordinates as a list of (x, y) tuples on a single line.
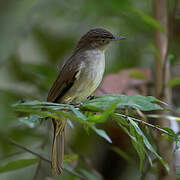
[(78, 78)]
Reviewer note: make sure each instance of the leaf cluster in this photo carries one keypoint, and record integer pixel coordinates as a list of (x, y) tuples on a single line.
[(99, 110)]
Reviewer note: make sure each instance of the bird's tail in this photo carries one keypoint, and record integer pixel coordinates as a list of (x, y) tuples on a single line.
[(58, 146)]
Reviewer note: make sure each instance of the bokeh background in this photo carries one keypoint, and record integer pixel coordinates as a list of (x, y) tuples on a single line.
[(37, 36)]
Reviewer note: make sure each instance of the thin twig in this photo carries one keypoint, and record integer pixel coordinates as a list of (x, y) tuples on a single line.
[(27, 150), (35, 177), (43, 158), (145, 123), (135, 119), (11, 155), (37, 170)]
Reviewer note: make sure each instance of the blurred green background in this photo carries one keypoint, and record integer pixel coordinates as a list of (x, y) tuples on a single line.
[(35, 37)]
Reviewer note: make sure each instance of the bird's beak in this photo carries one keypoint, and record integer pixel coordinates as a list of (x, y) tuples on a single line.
[(116, 38)]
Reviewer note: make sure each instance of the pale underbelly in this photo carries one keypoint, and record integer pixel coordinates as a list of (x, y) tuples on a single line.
[(88, 78), (83, 87)]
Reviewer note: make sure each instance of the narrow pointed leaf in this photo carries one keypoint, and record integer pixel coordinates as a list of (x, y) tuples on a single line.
[(102, 133), (148, 145), (18, 164)]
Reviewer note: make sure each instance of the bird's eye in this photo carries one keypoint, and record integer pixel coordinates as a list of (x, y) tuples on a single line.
[(103, 40)]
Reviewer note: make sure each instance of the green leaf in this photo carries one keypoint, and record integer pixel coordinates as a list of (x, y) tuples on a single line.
[(71, 116), (148, 19), (40, 105), (123, 154), (143, 103), (138, 145), (42, 114), (69, 122), (120, 119), (172, 137), (139, 140), (147, 144), (18, 164), (153, 99), (79, 114), (97, 118), (89, 175), (135, 139), (137, 75), (71, 170), (32, 121), (174, 82), (70, 157), (37, 103), (102, 133), (122, 125), (109, 110), (171, 118), (92, 108)]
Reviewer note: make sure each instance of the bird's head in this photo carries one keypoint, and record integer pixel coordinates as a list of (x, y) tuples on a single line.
[(97, 38)]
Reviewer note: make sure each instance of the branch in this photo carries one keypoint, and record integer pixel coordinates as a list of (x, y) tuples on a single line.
[(37, 170), (45, 137), (144, 123), (134, 119), (27, 150), (43, 158), (162, 76)]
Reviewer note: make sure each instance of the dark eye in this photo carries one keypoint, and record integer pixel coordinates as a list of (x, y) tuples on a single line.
[(103, 40)]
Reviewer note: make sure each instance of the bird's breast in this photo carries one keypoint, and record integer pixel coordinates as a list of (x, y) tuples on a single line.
[(89, 76), (94, 65)]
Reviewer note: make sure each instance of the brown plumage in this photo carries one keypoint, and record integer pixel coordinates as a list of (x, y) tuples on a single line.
[(78, 78), (93, 35)]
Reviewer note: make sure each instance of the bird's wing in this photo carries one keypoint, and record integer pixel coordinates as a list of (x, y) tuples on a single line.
[(64, 81)]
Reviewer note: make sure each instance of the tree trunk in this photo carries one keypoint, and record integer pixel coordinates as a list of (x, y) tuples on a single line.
[(162, 76)]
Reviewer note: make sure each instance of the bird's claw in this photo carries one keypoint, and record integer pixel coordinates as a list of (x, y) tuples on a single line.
[(76, 103), (90, 97)]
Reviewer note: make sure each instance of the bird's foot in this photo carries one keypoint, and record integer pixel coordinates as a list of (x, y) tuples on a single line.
[(76, 103), (90, 97)]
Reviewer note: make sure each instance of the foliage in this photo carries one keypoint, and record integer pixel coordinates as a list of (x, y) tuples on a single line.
[(36, 36), (18, 164), (174, 82), (102, 107)]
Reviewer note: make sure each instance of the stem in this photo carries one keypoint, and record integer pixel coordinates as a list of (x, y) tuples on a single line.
[(27, 150), (162, 92), (43, 158), (37, 170), (45, 137), (144, 123)]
